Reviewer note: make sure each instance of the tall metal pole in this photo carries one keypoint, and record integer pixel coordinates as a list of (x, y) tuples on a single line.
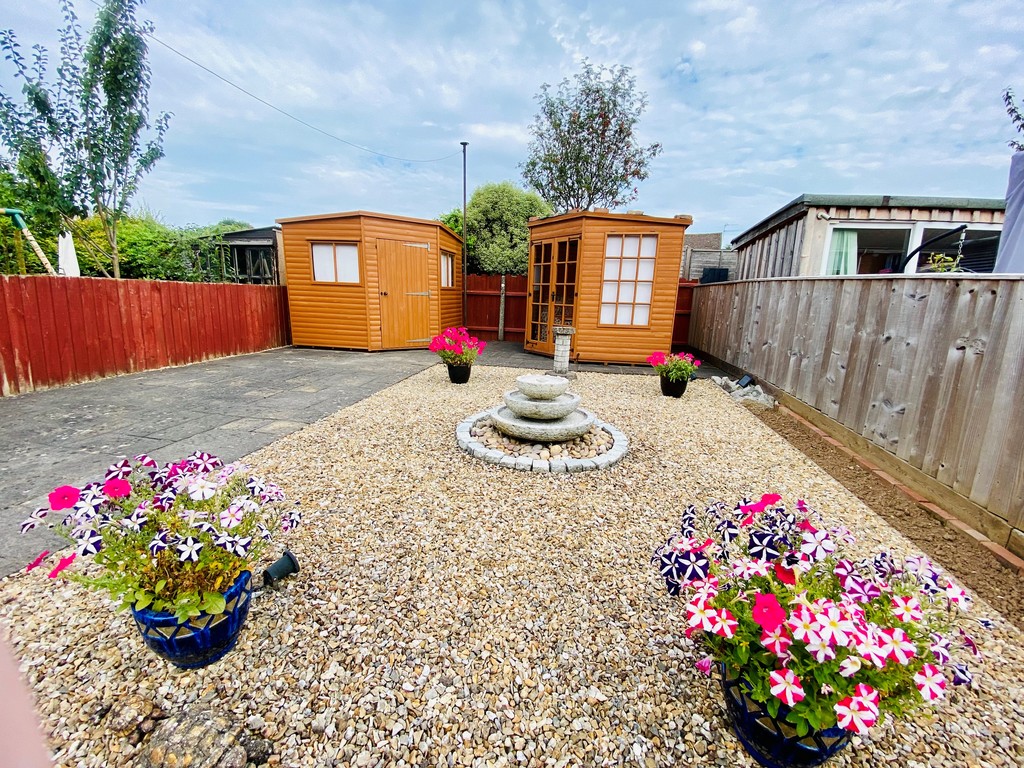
[(465, 235)]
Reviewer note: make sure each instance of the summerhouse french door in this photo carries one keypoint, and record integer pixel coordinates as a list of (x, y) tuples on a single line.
[(552, 291)]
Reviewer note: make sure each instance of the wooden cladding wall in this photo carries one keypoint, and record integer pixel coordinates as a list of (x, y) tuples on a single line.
[(483, 306), (926, 368), (63, 330)]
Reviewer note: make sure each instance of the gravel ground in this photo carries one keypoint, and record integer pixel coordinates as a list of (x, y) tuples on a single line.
[(451, 612)]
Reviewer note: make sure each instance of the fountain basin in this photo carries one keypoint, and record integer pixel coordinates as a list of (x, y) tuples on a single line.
[(542, 386), (571, 426), (549, 410)]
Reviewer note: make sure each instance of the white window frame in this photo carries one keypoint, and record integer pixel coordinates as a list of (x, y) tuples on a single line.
[(916, 228), (447, 269), (633, 283), (337, 267)]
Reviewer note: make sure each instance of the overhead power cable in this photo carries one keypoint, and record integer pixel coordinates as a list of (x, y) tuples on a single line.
[(287, 114)]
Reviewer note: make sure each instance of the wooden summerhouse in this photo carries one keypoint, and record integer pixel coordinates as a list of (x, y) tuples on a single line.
[(362, 280), (614, 277)]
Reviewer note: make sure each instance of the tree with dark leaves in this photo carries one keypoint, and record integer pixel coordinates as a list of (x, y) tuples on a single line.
[(584, 150)]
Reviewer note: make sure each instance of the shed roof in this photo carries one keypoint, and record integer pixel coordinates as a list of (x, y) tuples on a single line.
[(350, 214), (681, 220), (798, 207)]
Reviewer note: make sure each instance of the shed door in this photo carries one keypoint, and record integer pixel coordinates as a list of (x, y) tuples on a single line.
[(404, 293)]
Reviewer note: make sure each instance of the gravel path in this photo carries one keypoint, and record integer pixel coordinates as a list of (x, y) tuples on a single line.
[(451, 612)]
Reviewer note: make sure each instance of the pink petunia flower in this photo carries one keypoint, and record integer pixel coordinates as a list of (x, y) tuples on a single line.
[(930, 682), (907, 608), (850, 666), (767, 613), (64, 497), (700, 615), (895, 645), (852, 716), (117, 488), (777, 641), (704, 665), (785, 686), (724, 624)]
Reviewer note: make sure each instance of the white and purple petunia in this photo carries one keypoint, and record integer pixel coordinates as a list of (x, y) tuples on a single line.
[(90, 543), (692, 565), (962, 675), (204, 462), (256, 486), (120, 469), (189, 549), (201, 489), (817, 545), (263, 532), (240, 545), (158, 543), (764, 545), (231, 517)]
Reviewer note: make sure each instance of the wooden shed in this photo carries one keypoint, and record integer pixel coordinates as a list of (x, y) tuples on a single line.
[(362, 280), (614, 277)]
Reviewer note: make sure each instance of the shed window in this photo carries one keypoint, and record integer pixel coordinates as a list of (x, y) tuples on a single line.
[(628, 282), (335, 263), (447, 269)]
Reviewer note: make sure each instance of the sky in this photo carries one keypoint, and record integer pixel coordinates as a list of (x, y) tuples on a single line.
[(755, 103)]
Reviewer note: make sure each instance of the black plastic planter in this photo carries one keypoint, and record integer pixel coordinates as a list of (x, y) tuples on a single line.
[(286, 565)]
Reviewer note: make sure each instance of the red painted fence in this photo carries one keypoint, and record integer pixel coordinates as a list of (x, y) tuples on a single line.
[(63, 330), (684, 306), (483, 300)]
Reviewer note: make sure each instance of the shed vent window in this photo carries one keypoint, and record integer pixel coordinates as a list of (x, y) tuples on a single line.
[(628, 279), (447, 269), (335, 263)]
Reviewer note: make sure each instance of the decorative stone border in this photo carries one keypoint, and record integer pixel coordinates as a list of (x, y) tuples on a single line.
[(469, 444)]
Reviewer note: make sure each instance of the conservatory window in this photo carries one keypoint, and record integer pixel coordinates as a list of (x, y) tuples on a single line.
[(628, 281)]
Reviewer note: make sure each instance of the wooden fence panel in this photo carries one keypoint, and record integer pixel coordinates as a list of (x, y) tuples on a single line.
[(925, 367), (483, 306), (62, 330)]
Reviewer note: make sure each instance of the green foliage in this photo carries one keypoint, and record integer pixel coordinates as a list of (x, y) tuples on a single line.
[(151, 250), (584, 151), (497, 216), (1016, 118), (79, 143), (453, 220), (944, 262)]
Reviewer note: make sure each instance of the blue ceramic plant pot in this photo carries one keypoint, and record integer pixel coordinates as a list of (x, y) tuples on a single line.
[(202, 639), (771, 741)]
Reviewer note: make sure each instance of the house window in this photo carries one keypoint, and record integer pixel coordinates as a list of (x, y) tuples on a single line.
[(628, 279), (335, 263), (447, 269)]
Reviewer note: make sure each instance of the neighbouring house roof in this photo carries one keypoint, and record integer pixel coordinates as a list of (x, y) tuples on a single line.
[(800, 206), (251, 236)]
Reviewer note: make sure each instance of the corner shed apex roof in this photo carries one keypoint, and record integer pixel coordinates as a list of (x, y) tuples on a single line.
[(679, 221), (370, 214), (799, 206)]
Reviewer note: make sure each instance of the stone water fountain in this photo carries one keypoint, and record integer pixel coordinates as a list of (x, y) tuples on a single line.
[(559, 435)]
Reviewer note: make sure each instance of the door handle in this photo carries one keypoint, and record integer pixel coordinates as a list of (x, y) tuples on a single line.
[(383, 293)]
